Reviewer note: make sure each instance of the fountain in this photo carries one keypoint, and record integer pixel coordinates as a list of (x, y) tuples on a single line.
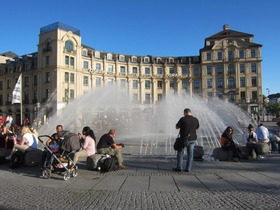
[(148, 129)]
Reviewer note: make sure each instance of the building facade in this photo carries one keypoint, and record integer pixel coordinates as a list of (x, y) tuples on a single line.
[(227, 67)]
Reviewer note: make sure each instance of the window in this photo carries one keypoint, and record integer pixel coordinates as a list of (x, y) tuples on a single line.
[(26, 98), (47, 60), (147, 70), (254, 81), (220, 83), (242, 68), (159, 84), (84, 52), (172, 84), (231, 83), (85, 80), (242, 95), (184, 70), (184, 84), (134, 70), (8, 84), (146, 60), (69, 46), (209, 95), (171, 70), (147, 98), (72, 78), (135, 84), (253, 53), (71, 94), (159, 70), (230, 69), (67, 60), (220, 55), (66, 77), (209, 70), (208, 56), (230, 55), (122, 69), (231, 96), (98, 81), (47, 93), (110, 68), (109, 56), (121, 58), (254, 95), (253, 68), (35, 80), (71, 61), (209, 83), (242, 81), (85, 65), (1, 85), (35, 96), (159, 98), (98, 67), (134, 59), (219, 69), (97, 54), (147, 84), (241, 53), (26, 81), (196, 84), (196, 71), (48, 77), (123, 83)]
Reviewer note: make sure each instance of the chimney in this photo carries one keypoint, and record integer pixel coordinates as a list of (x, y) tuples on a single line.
[(226, 27)]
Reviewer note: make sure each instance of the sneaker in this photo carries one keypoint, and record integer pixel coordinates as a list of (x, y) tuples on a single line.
[(8, 157), (260, 157), (176, 169), (187, 170)]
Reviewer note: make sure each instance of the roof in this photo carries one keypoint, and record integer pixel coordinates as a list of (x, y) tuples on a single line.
[(227, 33), (9, 54)]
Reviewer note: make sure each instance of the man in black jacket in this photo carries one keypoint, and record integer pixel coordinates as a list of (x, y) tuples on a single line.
[(188, 126)]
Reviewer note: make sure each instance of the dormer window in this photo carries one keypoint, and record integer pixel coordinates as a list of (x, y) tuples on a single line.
[(134, 59), (84, 52), (109, 56), (97, 54), (171, 60), (146, 60), (121, 58)]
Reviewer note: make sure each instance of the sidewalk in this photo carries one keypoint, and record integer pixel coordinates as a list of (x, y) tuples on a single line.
[(148, 183)]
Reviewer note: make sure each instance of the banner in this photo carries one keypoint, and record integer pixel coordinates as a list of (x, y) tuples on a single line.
[(17, 92)]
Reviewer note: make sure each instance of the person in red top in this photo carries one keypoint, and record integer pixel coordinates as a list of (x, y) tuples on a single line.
[(2, 119), (227, 143)]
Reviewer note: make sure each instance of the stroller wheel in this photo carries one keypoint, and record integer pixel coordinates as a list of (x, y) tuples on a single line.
[(66, 176), (74, 173), (46, 173)]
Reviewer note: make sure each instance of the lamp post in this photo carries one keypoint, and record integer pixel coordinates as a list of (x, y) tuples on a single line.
[(267, 92), (248, 107), (90, 72)]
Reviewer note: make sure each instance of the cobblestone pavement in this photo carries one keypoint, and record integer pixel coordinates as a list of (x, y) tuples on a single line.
[(148, 183)]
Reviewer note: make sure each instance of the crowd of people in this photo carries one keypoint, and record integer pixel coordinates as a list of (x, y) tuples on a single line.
[(24, 138)]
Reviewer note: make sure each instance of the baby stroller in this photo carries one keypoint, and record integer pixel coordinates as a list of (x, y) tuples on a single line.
[(58, 157)]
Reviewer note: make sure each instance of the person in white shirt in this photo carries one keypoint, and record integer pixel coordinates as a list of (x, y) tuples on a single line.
[(262, 133)]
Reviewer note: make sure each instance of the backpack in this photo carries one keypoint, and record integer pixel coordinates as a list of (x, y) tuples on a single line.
[(108, 163), (17, 159)]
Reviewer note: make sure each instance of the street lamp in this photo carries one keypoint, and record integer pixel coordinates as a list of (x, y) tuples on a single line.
[(267, 91), (91, 72)]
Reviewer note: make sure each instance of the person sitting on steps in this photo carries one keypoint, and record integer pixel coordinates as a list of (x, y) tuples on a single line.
[(228, 143), (106, 145)]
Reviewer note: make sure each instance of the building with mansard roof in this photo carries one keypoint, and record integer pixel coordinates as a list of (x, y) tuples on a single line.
[(229, 66)]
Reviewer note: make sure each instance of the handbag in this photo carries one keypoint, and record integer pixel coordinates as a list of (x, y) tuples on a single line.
[(180, 143)]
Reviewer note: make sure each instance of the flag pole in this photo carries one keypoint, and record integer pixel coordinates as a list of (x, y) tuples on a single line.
[(21, 99)]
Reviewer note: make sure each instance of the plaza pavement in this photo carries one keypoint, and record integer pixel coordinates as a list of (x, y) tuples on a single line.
[(148, 183)]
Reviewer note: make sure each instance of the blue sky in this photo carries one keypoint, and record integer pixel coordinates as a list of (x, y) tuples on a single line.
[(147, 27)]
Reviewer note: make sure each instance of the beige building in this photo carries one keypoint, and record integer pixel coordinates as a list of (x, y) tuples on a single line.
[(228, 67)]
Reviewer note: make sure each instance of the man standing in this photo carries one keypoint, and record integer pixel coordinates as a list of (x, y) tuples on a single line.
[(106, 145), (187, 125)]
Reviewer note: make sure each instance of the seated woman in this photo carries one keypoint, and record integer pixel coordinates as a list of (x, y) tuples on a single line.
[(227, 143), (28, 141), (251, 139), (88, 146)]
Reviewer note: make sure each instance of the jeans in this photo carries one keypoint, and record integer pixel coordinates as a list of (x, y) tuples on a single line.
[(190, 153)]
